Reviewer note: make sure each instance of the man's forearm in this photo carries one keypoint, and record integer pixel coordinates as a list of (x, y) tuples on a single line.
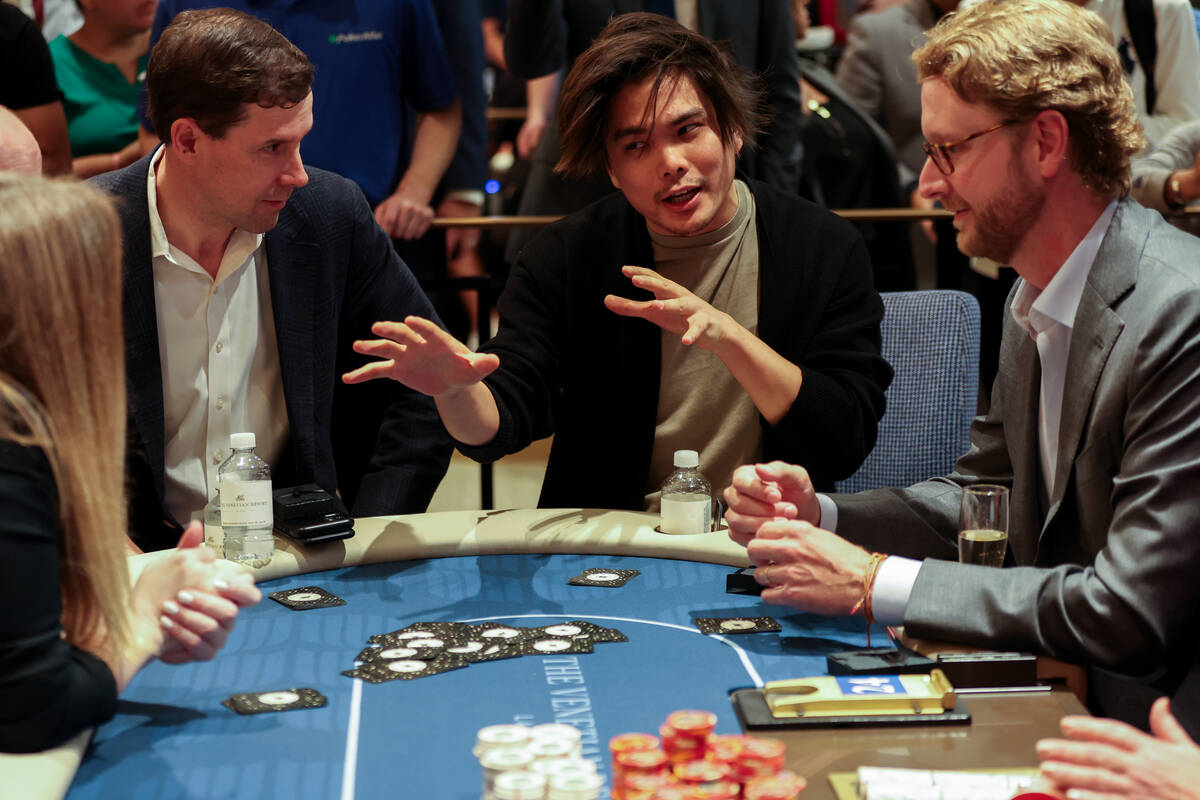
[(470, 414), (770, 379), (434, 143)]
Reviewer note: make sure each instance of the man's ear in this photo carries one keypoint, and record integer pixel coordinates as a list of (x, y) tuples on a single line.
[(1051, 135), (612, 176), (737, 143), (185, 135)]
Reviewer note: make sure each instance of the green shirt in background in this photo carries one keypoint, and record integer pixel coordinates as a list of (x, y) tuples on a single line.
[(101, 104)]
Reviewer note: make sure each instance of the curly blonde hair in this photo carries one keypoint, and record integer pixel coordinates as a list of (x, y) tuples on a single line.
[(1022, 57)]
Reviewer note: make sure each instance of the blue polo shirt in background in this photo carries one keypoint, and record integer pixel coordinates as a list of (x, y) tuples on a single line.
[(377, 65)]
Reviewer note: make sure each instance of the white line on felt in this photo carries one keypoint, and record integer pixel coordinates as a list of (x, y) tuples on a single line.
[(351, 765), (750, 670)]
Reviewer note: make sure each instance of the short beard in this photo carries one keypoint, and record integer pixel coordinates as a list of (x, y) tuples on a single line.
[(1001, 223)]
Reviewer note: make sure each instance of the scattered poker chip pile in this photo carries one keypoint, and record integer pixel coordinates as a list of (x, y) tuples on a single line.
[(687, 762), (543, 762), (430, 648)]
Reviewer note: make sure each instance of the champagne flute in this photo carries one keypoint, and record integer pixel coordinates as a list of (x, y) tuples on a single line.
[(983, 525)]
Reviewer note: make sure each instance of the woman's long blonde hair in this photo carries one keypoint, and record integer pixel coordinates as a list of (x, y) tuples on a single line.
[(62, 383)]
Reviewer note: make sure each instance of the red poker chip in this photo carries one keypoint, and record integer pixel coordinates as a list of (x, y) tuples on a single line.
[(754, 748), (692, 723), (787, 785), (642, 761), (645, 781), (670, 792), (701, 771), (626, 742), (717, 790)]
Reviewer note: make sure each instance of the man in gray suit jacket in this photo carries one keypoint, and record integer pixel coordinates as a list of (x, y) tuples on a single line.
[(1095, 419)]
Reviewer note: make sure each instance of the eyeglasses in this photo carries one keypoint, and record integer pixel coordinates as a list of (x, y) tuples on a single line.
[(940, 153)]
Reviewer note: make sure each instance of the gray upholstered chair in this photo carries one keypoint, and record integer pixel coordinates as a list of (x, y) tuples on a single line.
[(931, 339)]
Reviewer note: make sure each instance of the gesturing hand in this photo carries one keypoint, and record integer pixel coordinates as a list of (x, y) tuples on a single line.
[(422, 356), (674, 309)]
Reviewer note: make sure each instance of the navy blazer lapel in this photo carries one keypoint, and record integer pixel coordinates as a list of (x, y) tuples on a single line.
[(143, 365), (292, 266), (1095, 331)]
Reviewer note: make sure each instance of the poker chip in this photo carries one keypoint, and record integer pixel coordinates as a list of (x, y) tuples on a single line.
[(701, 771), (627, 742), (638, 786), (563, 766), (497, 736), (725, 749), (755, 748), (505, 759), (574, 787), (546, 749), (715, 790), (786, 785), (519, 786), (692, 723), (556, 731)]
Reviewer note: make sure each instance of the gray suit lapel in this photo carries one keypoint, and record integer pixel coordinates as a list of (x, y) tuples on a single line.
[(292, 265), (1096, 330)]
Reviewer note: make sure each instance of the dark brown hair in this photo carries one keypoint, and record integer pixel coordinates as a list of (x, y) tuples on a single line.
[(632, 48), (208, 63)]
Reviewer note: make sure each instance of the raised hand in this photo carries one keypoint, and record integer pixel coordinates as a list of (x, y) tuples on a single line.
[(674, 309), (422, 356)]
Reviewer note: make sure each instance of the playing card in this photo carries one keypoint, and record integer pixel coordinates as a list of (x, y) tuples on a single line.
[(306, 597), (494, 631), (279, 700), (409, 669), (496, 651), (603, 576), (554, 645), (362, 673), (737, 625)]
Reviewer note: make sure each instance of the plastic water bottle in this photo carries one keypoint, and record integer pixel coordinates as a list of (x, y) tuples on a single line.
[(686, 497), (213, 536), (244, 483)]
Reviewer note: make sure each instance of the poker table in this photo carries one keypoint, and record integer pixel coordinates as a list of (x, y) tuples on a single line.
[(173, 738)]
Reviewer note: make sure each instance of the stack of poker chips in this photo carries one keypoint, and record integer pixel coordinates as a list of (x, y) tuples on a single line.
[(687, 762), (543, 762)]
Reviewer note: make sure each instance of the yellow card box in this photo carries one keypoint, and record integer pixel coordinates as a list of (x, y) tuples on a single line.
[(860, 695)]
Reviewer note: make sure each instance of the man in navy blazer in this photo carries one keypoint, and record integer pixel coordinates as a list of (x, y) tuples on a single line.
[(247, 279)]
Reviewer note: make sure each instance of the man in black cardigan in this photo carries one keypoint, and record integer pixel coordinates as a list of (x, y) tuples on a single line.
[(764, 334)]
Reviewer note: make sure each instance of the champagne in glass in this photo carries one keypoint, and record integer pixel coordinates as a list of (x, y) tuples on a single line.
[(983, 525)]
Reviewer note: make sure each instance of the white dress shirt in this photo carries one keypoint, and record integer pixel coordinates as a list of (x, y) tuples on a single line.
[(1047, 316), (219, 359)]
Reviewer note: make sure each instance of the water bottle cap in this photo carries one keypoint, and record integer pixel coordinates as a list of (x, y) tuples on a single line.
[(688, 459), (240, 441)]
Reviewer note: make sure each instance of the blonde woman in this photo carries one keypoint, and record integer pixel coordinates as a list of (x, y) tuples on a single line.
[(73, 631)]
